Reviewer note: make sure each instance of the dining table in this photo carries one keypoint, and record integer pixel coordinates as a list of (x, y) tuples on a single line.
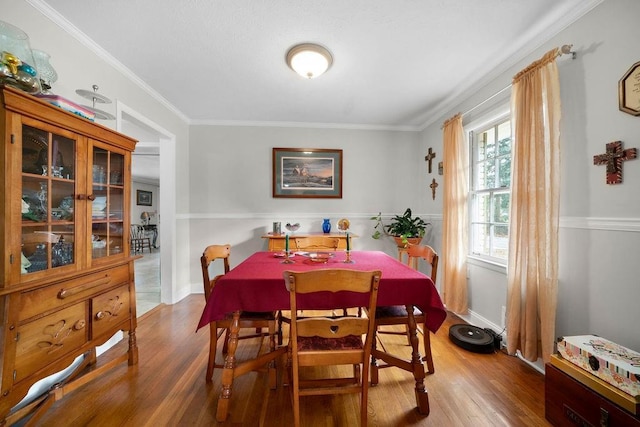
[(257, 284)]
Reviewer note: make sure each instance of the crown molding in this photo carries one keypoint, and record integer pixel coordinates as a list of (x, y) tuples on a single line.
[(85, 40), (531, 40)]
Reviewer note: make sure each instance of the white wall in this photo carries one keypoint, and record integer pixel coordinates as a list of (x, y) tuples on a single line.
[(231, 185), (600, 223)]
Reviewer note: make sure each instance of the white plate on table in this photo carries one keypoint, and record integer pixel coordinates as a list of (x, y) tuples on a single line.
[(319, 257), (319, 254)]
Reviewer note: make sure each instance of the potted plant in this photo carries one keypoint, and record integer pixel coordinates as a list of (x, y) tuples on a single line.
[(405, 229)]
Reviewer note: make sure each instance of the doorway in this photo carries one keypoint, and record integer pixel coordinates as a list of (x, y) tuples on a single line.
[(156, 150)]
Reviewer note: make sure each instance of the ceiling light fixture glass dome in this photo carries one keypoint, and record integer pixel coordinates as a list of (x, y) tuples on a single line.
[(309, 60)]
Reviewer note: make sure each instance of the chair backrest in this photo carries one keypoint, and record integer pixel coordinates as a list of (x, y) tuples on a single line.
[(210, 254), (136, 231), (332, 280), (426, 252), (316, 243)]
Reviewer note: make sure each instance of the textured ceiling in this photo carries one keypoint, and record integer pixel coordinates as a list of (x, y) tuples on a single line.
[(396, 63)]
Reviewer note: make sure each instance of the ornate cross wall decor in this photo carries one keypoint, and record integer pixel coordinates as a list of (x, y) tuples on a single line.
[(429, 157), (613, 158), (433, 186)]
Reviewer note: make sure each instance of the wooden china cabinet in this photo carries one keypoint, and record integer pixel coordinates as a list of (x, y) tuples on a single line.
[(67, 277)]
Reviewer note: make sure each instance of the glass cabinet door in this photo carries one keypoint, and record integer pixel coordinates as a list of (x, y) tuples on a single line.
[(107, 203), (48, 189)]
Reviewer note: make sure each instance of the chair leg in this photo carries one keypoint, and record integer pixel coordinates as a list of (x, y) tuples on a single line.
[(364, 395), (357, 374), (294, 383), (213, 342), (427, 350), (374, 363), (280, 322), (288, 371), (279, 332), (280, 329), (272, 370), (225, 345)]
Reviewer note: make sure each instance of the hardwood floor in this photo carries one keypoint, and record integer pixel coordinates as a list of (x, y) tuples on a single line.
[(167, 387)]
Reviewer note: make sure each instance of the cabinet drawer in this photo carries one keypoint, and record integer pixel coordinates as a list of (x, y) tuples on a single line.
[(109, 310), (570, 403), (45, 340), (77, 289)]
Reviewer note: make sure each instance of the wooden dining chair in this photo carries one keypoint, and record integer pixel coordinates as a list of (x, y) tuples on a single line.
[(312, 243), (316, 243), (397, 314), (249, 320), (324, 341)]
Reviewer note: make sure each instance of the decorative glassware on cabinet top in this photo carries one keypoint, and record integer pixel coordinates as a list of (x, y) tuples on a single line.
[(96, 97), (46, 72), (17, 66)]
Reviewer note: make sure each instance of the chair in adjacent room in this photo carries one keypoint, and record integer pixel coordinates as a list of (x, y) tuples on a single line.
[(397, 314), (248, 320), (139, 239), (331, 340)]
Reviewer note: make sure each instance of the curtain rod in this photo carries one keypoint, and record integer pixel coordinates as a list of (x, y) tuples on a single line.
[(564, 50), (487, 100)]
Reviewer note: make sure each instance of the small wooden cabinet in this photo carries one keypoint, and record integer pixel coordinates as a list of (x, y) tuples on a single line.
[(277, 241), (568, 402), (66, 276)]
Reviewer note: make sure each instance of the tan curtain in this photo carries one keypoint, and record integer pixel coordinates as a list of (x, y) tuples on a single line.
[(455, 216), (532, 276)]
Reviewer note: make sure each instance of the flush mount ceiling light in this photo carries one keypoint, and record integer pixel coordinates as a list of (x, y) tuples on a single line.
[(309, 60)]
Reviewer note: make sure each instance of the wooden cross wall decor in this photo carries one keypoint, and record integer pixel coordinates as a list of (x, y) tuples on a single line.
[(613, 158), (429, 157), (433, 186)]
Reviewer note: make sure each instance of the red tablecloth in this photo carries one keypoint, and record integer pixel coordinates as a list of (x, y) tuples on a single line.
[(257, 284)]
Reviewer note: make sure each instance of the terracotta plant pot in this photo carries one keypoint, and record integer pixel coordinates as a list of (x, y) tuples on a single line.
[(411, 241)]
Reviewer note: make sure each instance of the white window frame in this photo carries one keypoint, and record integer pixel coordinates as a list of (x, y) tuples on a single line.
[(497, 115)]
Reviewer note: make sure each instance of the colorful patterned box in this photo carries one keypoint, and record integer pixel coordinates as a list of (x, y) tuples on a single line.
[(609, 361)]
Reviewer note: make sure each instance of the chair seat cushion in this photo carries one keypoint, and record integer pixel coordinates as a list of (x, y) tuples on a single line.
[(350, 342), (395, 311), (259, 315)]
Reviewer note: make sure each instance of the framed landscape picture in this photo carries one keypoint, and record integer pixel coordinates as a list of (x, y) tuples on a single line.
[(144, 198), (307, 172)]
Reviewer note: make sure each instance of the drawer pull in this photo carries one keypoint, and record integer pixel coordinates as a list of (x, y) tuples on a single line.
[(80, 324), (66, 293), (100, 315)]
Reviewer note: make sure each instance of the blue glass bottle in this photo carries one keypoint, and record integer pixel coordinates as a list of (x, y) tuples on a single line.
[(326, 225)]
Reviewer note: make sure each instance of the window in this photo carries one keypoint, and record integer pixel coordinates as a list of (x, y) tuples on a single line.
[(490, 190)]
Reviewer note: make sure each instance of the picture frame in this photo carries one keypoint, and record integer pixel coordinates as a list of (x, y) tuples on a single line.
[(144, 198), (307, 172), (629, 91)]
